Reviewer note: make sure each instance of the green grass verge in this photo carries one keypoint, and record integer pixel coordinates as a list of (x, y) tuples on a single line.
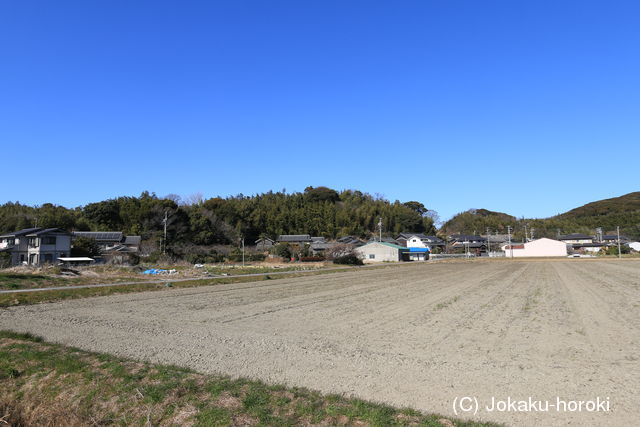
[(44, 383)]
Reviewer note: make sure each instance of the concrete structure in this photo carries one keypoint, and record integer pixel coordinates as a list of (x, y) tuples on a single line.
[(381, 252), (36, 246), (537, 248)]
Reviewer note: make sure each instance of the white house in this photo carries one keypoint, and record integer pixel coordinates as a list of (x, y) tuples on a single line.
[(36, 246), (381, 252), (536, 248)]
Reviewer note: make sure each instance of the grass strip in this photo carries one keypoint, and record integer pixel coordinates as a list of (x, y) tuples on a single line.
[(44, 383), (14, 299)]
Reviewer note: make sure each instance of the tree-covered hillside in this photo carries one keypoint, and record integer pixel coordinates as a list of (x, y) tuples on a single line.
[(476, 221), (317, 211), (623, 211)]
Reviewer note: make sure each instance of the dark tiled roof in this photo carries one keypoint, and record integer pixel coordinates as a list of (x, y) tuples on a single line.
[(467, 237), (574, 236), (294, 238), (100, 236), (22, 232), (47, 231), (37, 231), (132, 240)]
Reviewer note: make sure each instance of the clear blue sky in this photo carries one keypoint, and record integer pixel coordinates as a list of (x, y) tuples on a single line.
[(531, 108)]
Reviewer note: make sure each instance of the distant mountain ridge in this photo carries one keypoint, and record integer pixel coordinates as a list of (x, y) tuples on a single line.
[(622, 211)]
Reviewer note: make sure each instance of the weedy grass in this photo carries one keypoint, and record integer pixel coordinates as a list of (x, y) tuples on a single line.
[(51, 384), (35, 297)]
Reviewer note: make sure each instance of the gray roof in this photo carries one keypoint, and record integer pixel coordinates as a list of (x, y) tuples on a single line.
[(132, 240), (22, 232), (317, 239), (467, 237), (574, 236), (294, 238), (264, 239), (36, 231), (406, 235), (318, 246), (100, 236)]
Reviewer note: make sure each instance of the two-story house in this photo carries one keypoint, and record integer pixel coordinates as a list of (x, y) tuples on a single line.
[(36, 246)]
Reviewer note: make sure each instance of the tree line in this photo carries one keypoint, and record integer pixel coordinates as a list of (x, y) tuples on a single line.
[(319, 211)]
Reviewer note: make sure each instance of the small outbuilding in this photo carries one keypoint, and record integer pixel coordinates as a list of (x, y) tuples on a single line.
[(537, 248), (381, 252)]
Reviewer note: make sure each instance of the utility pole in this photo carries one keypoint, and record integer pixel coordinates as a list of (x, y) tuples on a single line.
[(243, 251), (488, 242), (164, 221), (509, 234), (526, 236), (380, 228), (619, 253), (531, 232)]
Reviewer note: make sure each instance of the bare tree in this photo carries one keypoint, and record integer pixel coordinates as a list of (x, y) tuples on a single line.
[(193, 199)]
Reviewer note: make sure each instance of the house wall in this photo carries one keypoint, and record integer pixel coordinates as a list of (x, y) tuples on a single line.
[(414, 242), (540, 248), (381, 253)]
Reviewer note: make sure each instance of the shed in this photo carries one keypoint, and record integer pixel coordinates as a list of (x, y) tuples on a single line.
[(381, 252)]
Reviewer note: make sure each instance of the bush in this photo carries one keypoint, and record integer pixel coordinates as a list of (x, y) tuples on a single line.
[(282, 250), (348, 259), (85, 247), (5, 259), (205, 258), (236, 256)]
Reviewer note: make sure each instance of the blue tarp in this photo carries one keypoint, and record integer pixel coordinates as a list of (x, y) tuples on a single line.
[(154, 271)]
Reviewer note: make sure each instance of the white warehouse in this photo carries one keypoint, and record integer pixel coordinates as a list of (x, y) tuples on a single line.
[(536, 248), (381, 252)]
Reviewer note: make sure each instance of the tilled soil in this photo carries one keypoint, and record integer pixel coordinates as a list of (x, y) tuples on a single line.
[(418, 335)]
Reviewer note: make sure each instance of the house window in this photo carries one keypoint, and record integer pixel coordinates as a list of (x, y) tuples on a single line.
[(414, 240), (372, 256), (49, 240), (34, 242)]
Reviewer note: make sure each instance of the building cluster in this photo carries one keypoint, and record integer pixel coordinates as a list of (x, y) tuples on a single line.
[(37, 246)]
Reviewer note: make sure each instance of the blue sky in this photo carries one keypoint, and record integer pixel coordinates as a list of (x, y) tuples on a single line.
[(530, 108)]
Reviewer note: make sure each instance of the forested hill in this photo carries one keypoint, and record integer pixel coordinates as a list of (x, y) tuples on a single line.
[(317, 211), (623, 211), (476, 221)]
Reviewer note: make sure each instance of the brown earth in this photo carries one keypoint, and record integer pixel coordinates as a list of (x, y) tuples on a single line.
[(418, 335)]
